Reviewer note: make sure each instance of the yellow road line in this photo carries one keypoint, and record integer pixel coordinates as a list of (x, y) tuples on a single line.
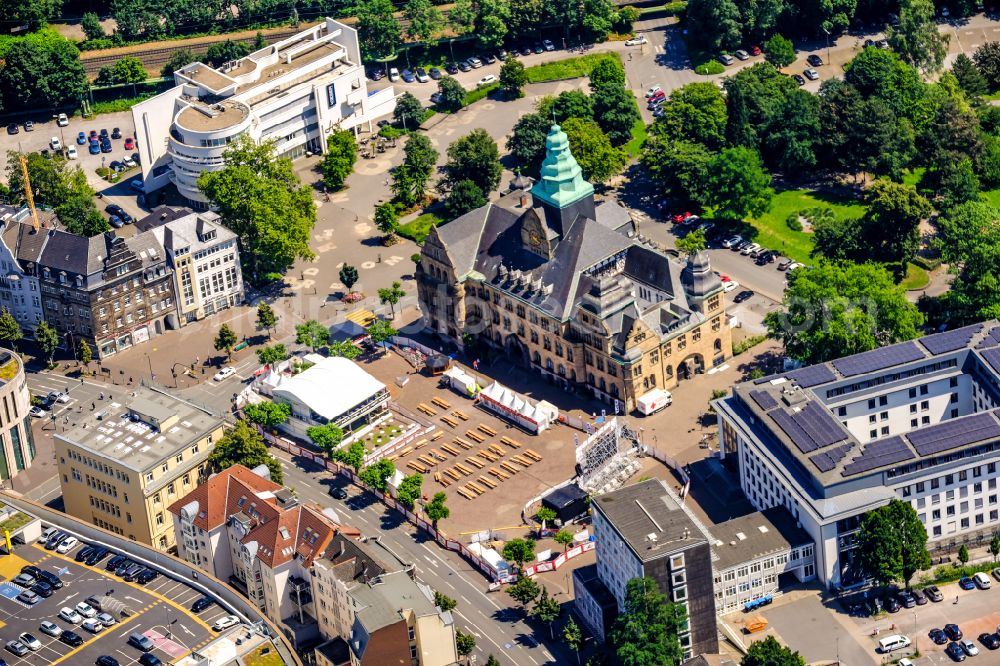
[(152, 593)]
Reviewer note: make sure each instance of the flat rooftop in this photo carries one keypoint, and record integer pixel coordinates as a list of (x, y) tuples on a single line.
[(300, 60), (202, 117), (794, 409), (112, 434), (756, 535), (648, 518), (204, 75)]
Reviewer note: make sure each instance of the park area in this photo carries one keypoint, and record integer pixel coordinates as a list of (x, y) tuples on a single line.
[(772, 227)]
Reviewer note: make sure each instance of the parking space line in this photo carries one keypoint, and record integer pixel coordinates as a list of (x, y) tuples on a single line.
[(94, 637)]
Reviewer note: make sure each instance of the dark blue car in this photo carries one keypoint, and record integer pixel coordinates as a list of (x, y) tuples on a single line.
[(966, 583), (408, 76)]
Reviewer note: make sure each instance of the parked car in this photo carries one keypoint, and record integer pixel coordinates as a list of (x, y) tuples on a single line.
[(68, 544), (968, 647), (146, 576), (891, 605), (539, 48), (85, 609), (71, 638), (58, 396), (201, 604), (981, 580), (464, 66), (435, 73), (488, 58), (882, 43), (376, 73), (938, 636), (729, 242), (53, 580), (136, 184), (798, 78), (811, 74), (128, 161), (953, 632), (105, 660), (94, 148), (393, 74), (814, 60), (93, 625), (36, 412), (421, 75), (955, 651), (12, 128), (489, 79), (548, 45), (747, 249), (764, 258), (907, 599), (226, 622), (730, 286), (725, 59), (42, 589), (116, 133), (224, 374), (526, 51), (920, 597), (62, 120), (638, 40), (408, 76), (30, 641), (337, 492), (129, 143), (755, 50), (744, 295), (17, 647), (29, 597), (991, 641), (106, 147), (50, 628), (24, 580), (107, 619), (115, 562), (652, 90), (148, 659), (742, 55), (81, 138), (133, 573), (502, 54), (116, 222), (475, 62), (71, 153), (451, 68), (966, 583)]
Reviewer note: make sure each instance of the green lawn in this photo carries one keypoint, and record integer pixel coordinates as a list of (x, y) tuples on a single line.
[(570, 68), (638, 138), (916, 278), (913, 176), (418, 229), (992, 197), (265, 655), (773, 232)]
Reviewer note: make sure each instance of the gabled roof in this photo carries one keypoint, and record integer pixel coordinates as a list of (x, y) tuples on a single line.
[(79, 255), (283, 534), (218, 497)]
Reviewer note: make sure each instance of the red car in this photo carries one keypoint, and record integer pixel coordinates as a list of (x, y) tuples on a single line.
[(755, 50), (129, 143), (679, 218)]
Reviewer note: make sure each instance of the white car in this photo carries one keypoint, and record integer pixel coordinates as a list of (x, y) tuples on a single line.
[(55, 143), (93, 625), (67, 545), (106, 619), (475, 62), (421, 75), (226, 622), (58, 396), (752, 247), (793, 266), (62, 120), (129, 162), (811, 74), (70, 615), (71, 153), (732, 285), (46, 533), (50, 628), (486, 80), (30, 641), (85, 609), (548, 45), (981, 580), (653, 90), (638, 40), (729, 242), (393, 74), (968, 647), (224, 373)]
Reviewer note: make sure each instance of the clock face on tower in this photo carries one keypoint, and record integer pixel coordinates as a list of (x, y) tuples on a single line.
[(534, 238)]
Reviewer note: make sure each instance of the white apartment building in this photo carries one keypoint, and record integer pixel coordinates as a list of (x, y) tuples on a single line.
[(204, 257), (915, 421), (293, 92), (20, 245)]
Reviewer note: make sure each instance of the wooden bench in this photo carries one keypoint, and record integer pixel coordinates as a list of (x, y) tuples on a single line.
[(475, 462), (440, 479), (510, 442), (392, 457), (427, 460), (477, 490), (420, 444), (414, 465), (466, 494), (498, 450), (451, 422), (438, 435), (427, 409), (460, 414), (437, 454), (510, 468), (488, 430), (523, 462), (531, 454), (475, 436), (405, 452), (489, 456), (464, 444), (475, 486), (453, 474), (450, 449), (497, 473), (441, 402), (486, 482), (463, 469)]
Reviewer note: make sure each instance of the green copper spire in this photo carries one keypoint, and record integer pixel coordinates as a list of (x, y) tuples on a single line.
[(562, 180)]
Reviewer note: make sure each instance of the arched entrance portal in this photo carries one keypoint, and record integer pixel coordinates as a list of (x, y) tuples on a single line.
[(690, 366), (516, 350)]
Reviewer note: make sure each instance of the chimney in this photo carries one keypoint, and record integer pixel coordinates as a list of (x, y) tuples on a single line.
[(524, 200)]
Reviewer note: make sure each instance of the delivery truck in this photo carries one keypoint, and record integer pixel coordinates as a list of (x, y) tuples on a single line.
[(654, 401)]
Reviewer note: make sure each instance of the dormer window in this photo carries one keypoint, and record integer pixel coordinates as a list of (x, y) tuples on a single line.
[(207, 236), (79, 281), (46, 273), (62, 277)]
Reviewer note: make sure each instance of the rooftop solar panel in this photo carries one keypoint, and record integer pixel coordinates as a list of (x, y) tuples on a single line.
[(992, 356), (820, 426), (954, 433), (939, 343), (878, 359), (991, 339), (879, 454), (799, 437), (812, 375), (827, 460), (764, 399)]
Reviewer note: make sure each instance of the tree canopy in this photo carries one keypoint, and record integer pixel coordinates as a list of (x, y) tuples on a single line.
[(243, 446), (769, 652), (475, 157), (40, 70), (646, 632), (892, 543)]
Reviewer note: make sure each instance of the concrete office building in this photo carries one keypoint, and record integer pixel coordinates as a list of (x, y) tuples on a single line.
[(294, 92), (17, 443), (643, 530), (915, 421), (122, 466)]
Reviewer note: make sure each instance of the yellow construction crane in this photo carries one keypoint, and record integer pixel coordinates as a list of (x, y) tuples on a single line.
[(27, 192)]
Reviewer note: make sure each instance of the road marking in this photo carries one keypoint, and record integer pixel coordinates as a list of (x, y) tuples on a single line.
[(548, 656), (465, 599), (307, 485), (435, 564)]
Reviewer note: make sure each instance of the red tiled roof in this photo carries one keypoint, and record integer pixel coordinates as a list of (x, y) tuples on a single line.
[(218, 497), (301, 530)]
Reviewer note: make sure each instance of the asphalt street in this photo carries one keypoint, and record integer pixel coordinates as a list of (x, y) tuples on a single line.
[(498, 628)]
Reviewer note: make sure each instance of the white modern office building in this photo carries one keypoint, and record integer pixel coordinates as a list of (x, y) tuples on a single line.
[(915, 421), (293, 92)]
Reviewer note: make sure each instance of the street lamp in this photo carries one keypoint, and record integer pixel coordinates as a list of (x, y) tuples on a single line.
[(827, 45), (152, 377)]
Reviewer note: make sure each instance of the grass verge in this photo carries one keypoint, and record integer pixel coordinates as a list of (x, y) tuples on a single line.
[(638, 138), (773, 232), (118, 105), (567, 69), (482, 92), (418, 229), (916, 278)]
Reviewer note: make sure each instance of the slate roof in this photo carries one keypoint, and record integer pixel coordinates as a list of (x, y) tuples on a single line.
[(74, 254), (378, 603)]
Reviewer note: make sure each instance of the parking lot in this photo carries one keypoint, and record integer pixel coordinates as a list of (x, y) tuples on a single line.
[(158, 610)]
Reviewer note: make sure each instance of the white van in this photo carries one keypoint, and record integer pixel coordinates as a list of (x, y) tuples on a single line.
[(654, 401), (894, 642)]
